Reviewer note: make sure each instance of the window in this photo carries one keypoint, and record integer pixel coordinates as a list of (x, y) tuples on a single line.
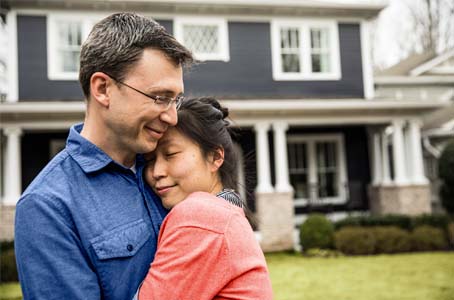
[(317, 169), (65, 35), (206, 38), (305, 50)]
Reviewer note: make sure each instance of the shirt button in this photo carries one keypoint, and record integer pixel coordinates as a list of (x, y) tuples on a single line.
[(130, 247)]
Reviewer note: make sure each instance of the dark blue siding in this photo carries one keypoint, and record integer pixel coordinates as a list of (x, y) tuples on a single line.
[(248, 74), (32, 67)]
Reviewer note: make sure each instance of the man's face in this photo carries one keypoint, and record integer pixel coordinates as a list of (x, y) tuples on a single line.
[(135, 121)]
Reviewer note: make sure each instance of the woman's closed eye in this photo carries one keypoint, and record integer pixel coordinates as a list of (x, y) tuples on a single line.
[(171, 154)]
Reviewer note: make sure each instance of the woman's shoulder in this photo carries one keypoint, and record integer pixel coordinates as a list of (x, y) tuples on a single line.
[(204, 210)]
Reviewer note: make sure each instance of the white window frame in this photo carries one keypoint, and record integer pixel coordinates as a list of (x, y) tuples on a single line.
[(305, 50), (221, 23), (310, 141), (53, 71)]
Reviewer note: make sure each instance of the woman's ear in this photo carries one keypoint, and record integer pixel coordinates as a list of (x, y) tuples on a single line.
[(99, 83), (218, 159)]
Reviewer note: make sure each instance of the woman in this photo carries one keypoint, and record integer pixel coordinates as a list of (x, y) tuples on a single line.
[(206, 247)]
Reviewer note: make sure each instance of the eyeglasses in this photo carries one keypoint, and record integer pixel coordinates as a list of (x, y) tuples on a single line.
[(163, 101)]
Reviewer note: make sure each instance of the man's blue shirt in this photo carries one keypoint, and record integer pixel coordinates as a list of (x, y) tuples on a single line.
[(86, 227)]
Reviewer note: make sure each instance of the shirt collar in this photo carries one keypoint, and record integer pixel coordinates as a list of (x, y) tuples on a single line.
[(89, 157)]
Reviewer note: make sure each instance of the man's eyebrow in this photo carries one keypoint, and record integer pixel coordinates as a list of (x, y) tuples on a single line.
[(161, 91)]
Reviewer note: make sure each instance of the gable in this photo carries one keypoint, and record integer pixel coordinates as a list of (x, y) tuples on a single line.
[(442, 64)]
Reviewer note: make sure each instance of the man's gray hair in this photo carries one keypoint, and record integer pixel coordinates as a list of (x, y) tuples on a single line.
[(117, 42)]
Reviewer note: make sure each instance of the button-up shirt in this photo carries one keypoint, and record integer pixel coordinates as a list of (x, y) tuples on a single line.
[(86, 227)]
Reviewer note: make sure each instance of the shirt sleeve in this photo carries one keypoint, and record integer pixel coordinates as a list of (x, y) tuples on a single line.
[(191, 263), (52, 264)]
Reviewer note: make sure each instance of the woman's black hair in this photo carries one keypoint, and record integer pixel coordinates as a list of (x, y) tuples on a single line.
[(205, 122)]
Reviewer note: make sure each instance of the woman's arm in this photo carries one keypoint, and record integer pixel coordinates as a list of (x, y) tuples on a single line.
[(191, 263)]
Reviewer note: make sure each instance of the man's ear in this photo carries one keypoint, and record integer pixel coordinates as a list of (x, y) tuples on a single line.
[(218, 159), (99, 84)]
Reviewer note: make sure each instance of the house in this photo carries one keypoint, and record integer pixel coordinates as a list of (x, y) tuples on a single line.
[(427, 76), (296, 75)]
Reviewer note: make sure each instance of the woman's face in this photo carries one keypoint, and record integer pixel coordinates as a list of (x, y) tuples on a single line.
[(178, 168)]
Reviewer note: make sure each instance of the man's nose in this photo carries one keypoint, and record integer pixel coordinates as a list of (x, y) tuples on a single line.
[(170, 116)]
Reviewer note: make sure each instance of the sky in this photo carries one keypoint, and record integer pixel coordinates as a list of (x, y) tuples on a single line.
[(392, 23)]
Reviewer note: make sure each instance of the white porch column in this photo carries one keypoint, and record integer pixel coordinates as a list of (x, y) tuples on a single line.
[(417, 175), (263, 158), (375, 156), (386, 177), (400, 176), (280, 157), (12, 167)]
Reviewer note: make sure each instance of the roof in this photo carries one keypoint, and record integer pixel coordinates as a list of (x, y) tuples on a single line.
[(404, 67), (418, 64), (341, 8)]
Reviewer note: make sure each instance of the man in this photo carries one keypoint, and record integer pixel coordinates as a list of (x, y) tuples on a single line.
[(86, 227)]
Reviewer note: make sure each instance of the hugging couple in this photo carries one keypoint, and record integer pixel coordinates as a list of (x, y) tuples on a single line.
[(140, 203)]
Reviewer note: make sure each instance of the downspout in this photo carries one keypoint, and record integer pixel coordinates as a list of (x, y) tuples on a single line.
[(431, 149)]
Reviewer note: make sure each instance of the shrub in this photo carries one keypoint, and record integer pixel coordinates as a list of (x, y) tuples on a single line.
[(8, 269), (446, 174), (401, 221), (355, 241), (428, 238), (438, 220), (316, 232), (391, 239), (451, 234)]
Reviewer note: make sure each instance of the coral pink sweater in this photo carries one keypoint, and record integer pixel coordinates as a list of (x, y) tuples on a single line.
[(207, 250)]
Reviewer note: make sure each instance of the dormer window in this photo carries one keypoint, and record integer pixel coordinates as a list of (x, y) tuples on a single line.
[(305, 50), (206, 38)]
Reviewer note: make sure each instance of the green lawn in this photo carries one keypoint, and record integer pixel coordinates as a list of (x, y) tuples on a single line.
[(423, 276), (426, 276)]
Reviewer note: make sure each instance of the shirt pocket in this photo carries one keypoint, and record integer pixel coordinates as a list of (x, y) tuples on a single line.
[(123, 241)]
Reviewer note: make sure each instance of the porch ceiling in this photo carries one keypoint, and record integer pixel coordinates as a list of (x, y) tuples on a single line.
[(244, 112)]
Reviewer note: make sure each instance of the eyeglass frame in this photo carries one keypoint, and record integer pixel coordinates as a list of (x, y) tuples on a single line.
[(156, 98)]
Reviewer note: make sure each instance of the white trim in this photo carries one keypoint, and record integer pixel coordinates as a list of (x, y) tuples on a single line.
[(52, 20), (408, 80), (310, 140), (368, 77), (431, 63), (170, 17), (305, 50), (12, 64), (223, 37)]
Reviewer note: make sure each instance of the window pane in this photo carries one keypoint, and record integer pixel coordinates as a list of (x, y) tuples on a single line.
[(70, 61), (299, 183), (290, 63), (202, 39), (327, 169), (320, 50), (69, 43), (290, 50), (297, 159)]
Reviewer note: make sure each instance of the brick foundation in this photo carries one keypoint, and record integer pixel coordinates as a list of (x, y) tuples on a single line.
[(7, 213), (407, 200), (275, 215)]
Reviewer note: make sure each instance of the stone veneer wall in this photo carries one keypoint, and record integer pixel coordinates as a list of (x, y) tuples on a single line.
[(408, 200), (275, 216), (7, 213)]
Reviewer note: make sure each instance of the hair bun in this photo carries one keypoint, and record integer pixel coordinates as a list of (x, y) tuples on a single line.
[(215, 103)]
